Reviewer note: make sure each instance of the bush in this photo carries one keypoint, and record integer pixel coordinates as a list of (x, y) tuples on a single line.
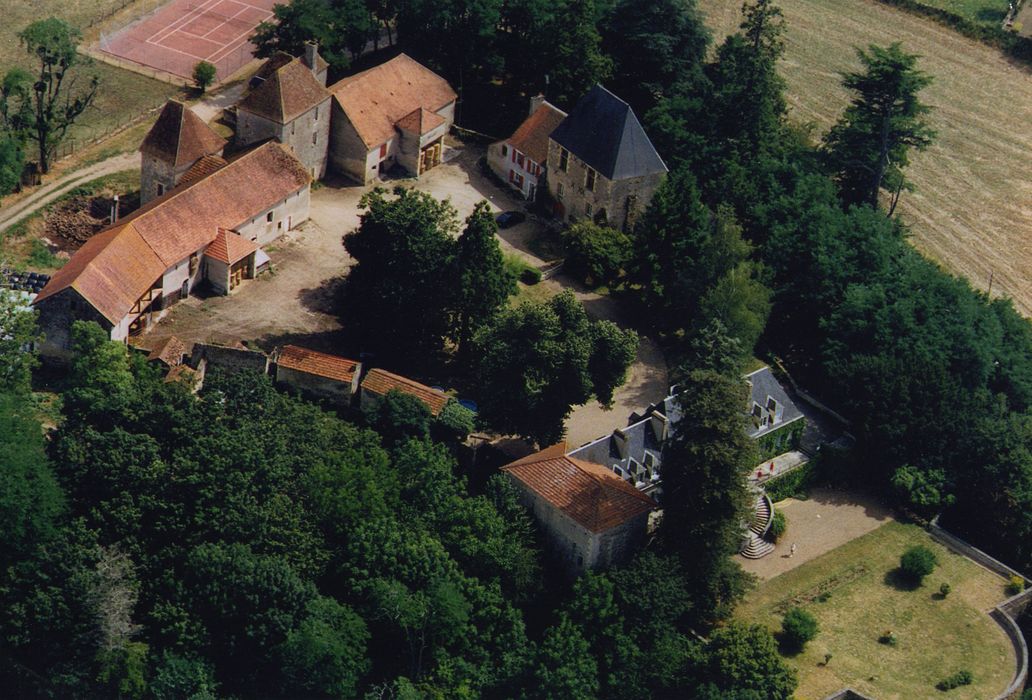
[(777, 526), (944, 590), (797, 628), (955, 681), (1015, 585), (520, 269), (888, 638), (596, 253), (530, 276), (203, 75), (917, 562), (456, 421)]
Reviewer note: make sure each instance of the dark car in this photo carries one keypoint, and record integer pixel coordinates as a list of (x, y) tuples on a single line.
[(510, 218)]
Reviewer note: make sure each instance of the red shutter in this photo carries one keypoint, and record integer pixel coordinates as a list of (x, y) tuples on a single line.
[(514, 155), (512, 175)]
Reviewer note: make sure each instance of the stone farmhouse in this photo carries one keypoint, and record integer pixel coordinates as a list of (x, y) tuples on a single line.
[(208, 229), (176, 142), (591, 518), (601, 164), (520, 160), (289, 102), (395, 113)]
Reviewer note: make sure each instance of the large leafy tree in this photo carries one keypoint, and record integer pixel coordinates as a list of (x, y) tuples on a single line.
[(57, 98), (18, 333), (705, 501), (576, 58), (484, 284), (676, 37), (340, 27), (741, 662), (396, 296), (869, 148), (538, 360)]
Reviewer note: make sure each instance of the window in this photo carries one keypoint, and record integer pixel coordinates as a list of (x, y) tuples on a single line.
[(505, 151), (559, 191), (383, 151), (589, 182), (315, 137), (316, 114), (161, 189), (512, 176), (268, 217), (193, 264), (519, 160), (518, 181), (564, 159), (293, 126)]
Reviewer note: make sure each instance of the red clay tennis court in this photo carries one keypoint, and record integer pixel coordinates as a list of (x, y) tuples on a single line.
[(178, 35)]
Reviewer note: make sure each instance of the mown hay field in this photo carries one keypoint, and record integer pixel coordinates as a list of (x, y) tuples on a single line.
[(972, 211), (122, 94)]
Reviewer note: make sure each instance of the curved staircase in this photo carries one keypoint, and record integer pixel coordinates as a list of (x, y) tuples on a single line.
[(754, 545)]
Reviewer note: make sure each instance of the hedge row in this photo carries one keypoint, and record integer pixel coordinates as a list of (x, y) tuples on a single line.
[(1019, 47)]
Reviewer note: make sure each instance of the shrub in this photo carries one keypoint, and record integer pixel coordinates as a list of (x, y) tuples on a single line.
[(888, 638), (456, 420), (1015, 585), (944, 590), (530, 276), (596, 253), (797, 628), (917, 562), (203, 75), (778, 524), (955, 681), (520, 269)]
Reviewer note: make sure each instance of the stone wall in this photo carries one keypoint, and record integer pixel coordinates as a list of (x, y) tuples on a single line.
[(318, 387), (569, 541), (287, 214), (155, 171), (348, 155), (229, 360), (298, 134), (56, 315)]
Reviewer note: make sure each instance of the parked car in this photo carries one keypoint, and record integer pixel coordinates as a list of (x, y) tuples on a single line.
[(510, 218)]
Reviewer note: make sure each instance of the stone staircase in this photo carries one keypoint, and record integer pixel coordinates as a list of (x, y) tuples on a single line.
[(754, 545)]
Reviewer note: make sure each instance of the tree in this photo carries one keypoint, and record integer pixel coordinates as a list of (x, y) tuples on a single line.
[(12, 161), (797, 628), (596, 253), (57, 99), (565, 669), (576, 58), (917, 562), (741, 662), (539, 360), (396, 296), (484, 283), (705, 500), (398, 417), (18, 334), (868, 148), (203, 75), (325, 653), (676, 37), (299, 22), (180, 677), (740, 302)]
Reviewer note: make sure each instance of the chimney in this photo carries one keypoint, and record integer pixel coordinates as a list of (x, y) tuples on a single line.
[(311, 49), (535, 102), (660, 426), (622, 443), (114, 210)]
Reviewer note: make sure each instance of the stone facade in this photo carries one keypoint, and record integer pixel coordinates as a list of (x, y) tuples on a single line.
[(267, 226), (158, 176), (319, 387), (55, 322), (619, 202), (308, 135)]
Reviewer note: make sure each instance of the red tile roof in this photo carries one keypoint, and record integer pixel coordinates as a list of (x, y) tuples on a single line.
[(117, 266), (201, 169), (531, 137), (588, 493), (318, 363), (179, 136), (287, 92), (376, 99), (170, 351), (229, 247), (420, 121), (380, 381)]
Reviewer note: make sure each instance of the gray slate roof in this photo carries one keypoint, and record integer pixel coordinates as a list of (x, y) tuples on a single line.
[(603, 132), (764, 387)]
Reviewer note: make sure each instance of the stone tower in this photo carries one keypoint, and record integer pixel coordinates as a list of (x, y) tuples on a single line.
[(178, 139)]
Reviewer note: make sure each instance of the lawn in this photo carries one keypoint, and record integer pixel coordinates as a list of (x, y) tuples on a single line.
[(971, 209), (990, 12), (122, 94), (936, 636)]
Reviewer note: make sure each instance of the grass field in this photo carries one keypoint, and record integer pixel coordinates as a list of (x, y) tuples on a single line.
[(973, 203), (122, 94), (936, 636), (991, 12)]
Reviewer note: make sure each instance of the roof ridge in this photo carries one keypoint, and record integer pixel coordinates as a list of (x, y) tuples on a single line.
[(179, 133)]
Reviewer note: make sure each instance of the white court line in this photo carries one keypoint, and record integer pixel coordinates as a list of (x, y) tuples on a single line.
[(227, 20), (240, 40), (185, 53), (178, 22)]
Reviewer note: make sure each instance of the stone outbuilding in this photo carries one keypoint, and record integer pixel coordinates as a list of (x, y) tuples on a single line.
[(379, 381), (288, 103), (591, 518), (395, 113), (317, 374), (601, 164), (176, 142), (228, 261), (520, 159)]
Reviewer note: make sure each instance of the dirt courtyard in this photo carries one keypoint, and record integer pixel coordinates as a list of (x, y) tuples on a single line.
[(825, 521)]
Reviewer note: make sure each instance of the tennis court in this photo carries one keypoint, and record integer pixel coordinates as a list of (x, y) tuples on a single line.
[(176, 36)]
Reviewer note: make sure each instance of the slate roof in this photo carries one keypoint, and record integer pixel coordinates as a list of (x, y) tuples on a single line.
[(179, 136), (380, 381), (765, 386), (318, 363), (118, 265), (531, 137), (287, 92), (591, 495), (376, 99), (229, 247), (603, 132)]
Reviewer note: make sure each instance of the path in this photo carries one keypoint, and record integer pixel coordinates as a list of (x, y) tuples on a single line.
[(208, 108), (825, 521)]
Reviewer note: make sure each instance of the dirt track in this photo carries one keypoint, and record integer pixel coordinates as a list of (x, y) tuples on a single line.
[(973, 203)]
